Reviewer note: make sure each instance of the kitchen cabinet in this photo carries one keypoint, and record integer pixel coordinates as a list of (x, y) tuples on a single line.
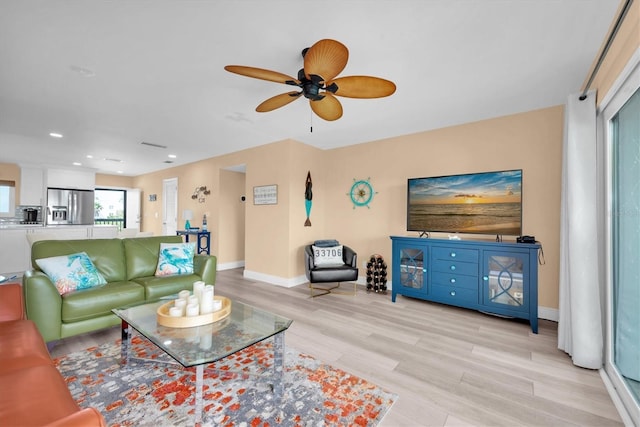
[(14, 252), (31, 186), (72, 179), (492, 277)]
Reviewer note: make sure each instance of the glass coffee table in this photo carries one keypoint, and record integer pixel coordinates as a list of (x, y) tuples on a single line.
[(201, 345)]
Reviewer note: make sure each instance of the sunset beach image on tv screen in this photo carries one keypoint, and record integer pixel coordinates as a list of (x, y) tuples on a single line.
[(478, 203)]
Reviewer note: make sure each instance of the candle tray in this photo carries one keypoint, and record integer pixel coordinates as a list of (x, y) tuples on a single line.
[(189, 322)]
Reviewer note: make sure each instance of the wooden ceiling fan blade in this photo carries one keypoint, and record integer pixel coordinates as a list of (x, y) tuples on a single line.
[(363, 87), (262, 74), (328, 108), (326, 58), (278, 101)]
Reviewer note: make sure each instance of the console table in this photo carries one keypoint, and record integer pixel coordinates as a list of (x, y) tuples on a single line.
[(493, 277), (203, 239)]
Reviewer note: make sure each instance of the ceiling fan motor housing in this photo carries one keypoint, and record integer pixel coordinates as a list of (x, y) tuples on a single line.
[(311, 87)]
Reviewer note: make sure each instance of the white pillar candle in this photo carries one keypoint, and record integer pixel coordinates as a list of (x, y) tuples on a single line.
[(175, 312), (184, 294), (206, 302), (198, 287), (193, 310), (217, 305), (209, 288), (206, 305), (193, 300), (181, 304)]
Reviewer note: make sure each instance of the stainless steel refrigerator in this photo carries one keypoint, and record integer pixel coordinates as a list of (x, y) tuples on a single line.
[(70, 207)]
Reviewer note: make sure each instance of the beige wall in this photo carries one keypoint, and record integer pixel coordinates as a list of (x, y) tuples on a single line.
[(530, 141), (103, 180), (275, 234)]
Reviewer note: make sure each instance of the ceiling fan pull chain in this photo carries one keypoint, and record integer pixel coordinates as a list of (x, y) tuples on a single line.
[(311, 121)]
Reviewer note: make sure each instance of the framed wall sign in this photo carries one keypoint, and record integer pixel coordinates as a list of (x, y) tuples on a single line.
[(265, 195)]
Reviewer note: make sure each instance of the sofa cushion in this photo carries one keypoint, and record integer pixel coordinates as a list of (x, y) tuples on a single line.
[(34, 397), (106, 254), (71, 272), (97, 302), (142, 254), (11, 303), (175, 258), (22, 346), (156, 287)]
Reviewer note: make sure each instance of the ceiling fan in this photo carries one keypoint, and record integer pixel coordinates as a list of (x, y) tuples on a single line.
[(317, 81)]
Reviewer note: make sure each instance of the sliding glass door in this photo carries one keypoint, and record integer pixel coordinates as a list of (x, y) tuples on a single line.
[(622, 126)]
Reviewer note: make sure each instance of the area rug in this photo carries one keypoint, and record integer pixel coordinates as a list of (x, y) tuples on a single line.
[(152, 393)]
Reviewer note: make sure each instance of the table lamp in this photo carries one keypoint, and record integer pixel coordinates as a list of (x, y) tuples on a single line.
[(187, 215)]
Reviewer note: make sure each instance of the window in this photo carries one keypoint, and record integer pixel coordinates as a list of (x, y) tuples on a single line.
[(621, 214), (7, 198), (110, 207)]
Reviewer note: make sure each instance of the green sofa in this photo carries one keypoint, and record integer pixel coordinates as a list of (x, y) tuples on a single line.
[(128, 265)]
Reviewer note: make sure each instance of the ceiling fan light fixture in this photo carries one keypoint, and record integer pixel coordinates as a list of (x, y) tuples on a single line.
[(322, 63)]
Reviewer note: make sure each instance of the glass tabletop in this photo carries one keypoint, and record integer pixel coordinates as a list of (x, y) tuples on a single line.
[(245, 326)]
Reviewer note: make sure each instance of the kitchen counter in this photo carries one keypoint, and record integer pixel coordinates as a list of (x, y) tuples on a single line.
[(18, 226)]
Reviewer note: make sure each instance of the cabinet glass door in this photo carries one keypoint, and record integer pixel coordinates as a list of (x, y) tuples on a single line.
[(412, 271), (503, 281)]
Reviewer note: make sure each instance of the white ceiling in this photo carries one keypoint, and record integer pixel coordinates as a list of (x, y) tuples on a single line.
[(111, 74)]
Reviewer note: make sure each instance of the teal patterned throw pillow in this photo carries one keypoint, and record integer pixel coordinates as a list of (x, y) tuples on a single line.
[(71, 272), (175, 258)]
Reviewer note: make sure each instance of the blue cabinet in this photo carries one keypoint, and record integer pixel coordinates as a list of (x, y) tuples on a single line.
[(494, 277), (409, 267)]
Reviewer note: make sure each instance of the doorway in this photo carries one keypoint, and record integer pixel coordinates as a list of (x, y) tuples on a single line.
[(169, 206)]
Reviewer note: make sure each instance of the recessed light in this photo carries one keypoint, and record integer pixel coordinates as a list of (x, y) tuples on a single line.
[(77, 164), (55, 135), (89, 156), (172, 156), (120, 172)]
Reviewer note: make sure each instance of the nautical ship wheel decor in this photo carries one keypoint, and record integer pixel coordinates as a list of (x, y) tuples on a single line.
[(361, 193)]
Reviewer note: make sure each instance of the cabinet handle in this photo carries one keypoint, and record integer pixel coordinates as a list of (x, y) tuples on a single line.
[(453, 267), (453, 254), (452, 293), (485, 278), (452, 280)]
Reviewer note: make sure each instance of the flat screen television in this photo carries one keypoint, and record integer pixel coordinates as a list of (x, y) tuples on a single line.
[(474, 203)]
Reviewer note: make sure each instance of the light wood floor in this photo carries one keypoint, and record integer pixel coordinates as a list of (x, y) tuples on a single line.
[(449, 366)]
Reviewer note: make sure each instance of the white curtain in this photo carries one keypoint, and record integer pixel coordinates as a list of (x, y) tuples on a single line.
[(580, 332)]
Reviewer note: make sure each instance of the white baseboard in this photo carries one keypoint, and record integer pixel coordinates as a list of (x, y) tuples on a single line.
[(230, 265), (548, 313), (275, 280)]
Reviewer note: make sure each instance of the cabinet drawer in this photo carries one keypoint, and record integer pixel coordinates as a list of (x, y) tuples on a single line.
[(446, 266), (455, 296), (465, 255), (454, 280)]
